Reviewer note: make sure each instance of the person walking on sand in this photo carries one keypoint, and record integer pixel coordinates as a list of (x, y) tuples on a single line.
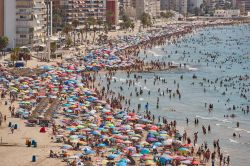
[(12, 129), (228, 160)]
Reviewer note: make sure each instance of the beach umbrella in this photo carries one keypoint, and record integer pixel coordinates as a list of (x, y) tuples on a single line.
[(127, 142), (195, 162), (73, 137), (149, 162), (144, 143), (71, 129), (112, 156), (80, 126), (157, 144), (151, 139), (183, 149), (144, 151), (187, 162), (119, 141), (66, 147), (147, 157), (122, 162), (136, 155), (88, 151), (73, 157), (101, 145), (95, 133)]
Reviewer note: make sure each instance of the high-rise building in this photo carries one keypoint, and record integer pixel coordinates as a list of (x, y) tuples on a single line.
[(152, 7), (1, 17), (31, 24), (82, 9), (181, 6), (194, 4), (247, 5), (168, 4), (24, 22), (112, 11)]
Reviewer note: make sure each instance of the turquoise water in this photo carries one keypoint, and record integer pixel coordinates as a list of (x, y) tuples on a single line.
[(213, 54)]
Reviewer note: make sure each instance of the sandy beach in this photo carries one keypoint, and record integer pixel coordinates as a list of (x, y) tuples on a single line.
[(13, 150)]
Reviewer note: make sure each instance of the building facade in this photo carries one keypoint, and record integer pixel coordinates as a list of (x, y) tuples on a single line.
[(25, 22), (152, 7), (247, 5), (192, 4), (82, 9), (181, 6), (227, 13), (1, 17), (31, 22), (112, 11), (167, 4)]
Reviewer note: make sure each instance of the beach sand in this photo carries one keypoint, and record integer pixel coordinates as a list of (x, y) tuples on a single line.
[(13, 150)]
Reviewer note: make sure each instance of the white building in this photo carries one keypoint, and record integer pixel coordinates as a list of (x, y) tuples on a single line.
[(10, 22), (152, 7), (181, 6), (227, 13), (194, 4), (25, 22)]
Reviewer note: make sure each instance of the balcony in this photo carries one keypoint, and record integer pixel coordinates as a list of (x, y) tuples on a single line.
[(22, 23)]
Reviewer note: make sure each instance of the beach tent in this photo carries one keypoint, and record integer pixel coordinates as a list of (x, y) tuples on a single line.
[(42, 130)]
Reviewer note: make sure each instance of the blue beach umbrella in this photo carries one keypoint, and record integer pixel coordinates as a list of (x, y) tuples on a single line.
[(101, 145), (145, 151), (112, 156)]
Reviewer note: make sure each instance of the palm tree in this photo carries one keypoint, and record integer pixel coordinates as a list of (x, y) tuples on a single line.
[(99, 22), (67, 29), (14, 54), (75, 24), (86, 29), (94, 34), (57, 20), (81, 32), (92, 22), (3, 42)]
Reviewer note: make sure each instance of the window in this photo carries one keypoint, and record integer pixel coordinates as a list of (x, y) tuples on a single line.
[(22, 36)]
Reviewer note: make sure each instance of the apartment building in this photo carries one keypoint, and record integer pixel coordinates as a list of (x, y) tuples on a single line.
[(152, 7), (30, 22), (167, 4), (82, 9), (112, 11), (181, 6), (1, 17), (25, 22)]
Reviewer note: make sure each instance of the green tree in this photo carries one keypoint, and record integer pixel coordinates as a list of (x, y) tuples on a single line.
[(53, 47), (4, 41), (92, 22), (146, 20), (75, 24), (127, 22), (57, 20), (109, 16), (81, 32), (86, 29), (67, 29), (69, 41), (99, 23), (14, 55), (196, 11)]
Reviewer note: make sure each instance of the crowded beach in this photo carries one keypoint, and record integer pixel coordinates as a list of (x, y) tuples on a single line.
[(59, 115)]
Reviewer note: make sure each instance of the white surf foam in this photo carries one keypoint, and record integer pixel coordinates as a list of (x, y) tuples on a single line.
[(155, 54), (233, 141)]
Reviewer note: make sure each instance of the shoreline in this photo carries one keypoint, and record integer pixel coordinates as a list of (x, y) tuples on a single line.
[(145, 43)]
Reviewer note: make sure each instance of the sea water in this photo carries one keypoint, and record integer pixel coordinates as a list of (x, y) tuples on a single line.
[(210, 53)]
